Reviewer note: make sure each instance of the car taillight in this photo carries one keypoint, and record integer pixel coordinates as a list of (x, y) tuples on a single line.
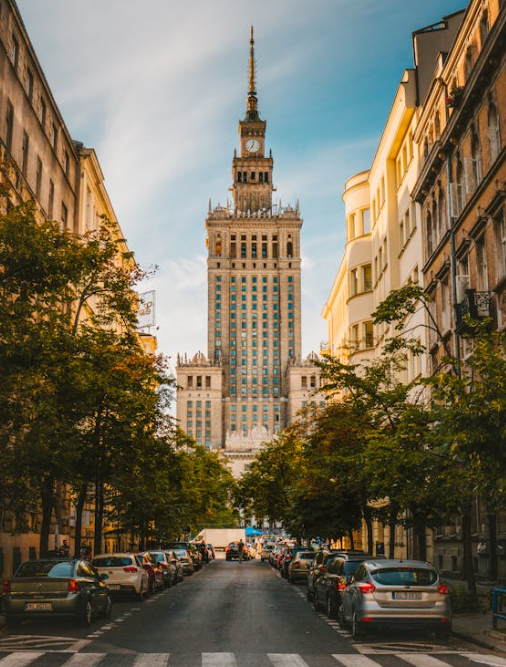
[(227, 549), (164, 565), (444, 590), (341, 586), (184, 559), (6, 587), (73, 586), (288, 558), (367, 588), (130, 569)]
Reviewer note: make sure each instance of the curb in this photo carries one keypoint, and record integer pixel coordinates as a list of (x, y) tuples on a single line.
[(472, 639)]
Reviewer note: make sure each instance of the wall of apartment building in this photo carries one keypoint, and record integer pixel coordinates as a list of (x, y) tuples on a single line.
[(462, 191)]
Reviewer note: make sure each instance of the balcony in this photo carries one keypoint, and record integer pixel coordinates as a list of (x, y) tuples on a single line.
[(478, 305)]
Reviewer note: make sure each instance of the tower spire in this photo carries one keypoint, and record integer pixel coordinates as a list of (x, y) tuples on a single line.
[(252, 106)]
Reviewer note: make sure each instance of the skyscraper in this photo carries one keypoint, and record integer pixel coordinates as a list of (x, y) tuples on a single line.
[(253, 380)]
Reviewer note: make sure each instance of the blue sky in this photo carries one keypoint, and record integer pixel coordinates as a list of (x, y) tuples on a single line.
[(158, 87)]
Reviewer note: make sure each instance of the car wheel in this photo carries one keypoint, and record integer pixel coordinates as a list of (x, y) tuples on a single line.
[(356, 630), (108, 608), (340, 617), (331, 612), (87, 614)]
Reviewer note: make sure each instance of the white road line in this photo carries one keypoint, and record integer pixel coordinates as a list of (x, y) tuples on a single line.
[(485, 659), (350, 660), (287, 660), (84, 660), (78, 645), (151, 660), (218, 660), (20, 659), (421, 660)]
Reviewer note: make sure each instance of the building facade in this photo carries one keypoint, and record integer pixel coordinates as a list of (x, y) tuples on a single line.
[(253, 379)]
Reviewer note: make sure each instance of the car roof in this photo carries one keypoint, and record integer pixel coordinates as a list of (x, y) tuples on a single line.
[(398, 562), (115, 554)]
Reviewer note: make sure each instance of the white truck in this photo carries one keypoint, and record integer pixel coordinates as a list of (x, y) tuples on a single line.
[(220, 537)]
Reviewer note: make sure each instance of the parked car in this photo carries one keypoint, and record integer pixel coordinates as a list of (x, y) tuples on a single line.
[(202, 549), (125, 574), (192, 550), (276, 557), (317, 569), (232, 551), (154, 571), (186, 561), (299, 566), (396, 593), (266, 552), (169, 570), (288, 555), (329, 586), (56, 587), (178, 565)]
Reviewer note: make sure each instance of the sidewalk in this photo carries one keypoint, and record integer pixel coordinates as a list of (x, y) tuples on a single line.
[(477, 629)]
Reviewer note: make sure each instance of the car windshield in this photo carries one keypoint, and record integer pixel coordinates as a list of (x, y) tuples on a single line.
[(405, 576), (181, 553), (112, 561), (158, 556), (350, 567), (305, 555), (62, 569)]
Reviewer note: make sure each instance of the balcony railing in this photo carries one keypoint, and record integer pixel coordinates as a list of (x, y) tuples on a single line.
[(477, 305)]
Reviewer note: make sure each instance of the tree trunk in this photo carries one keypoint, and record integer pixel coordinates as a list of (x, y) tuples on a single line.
[(81, 500), (420, 541), (492, 534), (352, 540), (368, 523), (392, 523), (47, 503), (99, 515), (467, 561)]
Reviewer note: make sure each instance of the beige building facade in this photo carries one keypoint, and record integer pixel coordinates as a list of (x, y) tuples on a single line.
[(239, 396)]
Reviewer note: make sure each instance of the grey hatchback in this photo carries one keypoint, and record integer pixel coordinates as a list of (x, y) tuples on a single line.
[(56, 587), (396, 593)]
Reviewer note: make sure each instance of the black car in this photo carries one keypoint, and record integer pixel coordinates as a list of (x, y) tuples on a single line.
[(287, 558), (318, 568), (191, 550), (328, 586)]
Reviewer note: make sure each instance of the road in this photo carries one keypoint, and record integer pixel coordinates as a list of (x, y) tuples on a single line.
[(226, 615)]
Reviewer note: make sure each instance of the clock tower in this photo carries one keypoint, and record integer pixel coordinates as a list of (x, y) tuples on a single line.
[(252, 170), (253, 380)]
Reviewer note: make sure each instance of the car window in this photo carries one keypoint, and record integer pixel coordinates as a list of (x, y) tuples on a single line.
[(405, 576), (112, 561), (331, 567), (305, 555), (359, 573), (46, 569), (160, 557), (350, 567)]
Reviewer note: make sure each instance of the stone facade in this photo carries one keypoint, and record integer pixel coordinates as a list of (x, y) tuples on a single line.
[(254, 310)]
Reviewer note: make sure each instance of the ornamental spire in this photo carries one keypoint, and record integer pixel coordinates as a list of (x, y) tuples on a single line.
[(252, 109)]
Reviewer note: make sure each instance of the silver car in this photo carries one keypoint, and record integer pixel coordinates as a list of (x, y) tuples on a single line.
[(395, 592)]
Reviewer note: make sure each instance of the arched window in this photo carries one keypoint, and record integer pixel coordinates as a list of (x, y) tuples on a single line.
[(435, 223), (460, 194), (430, 234), (239, 176), (260, 176), (476, 168), (244, 177), (494, 138), (441, 207), (266, 177), (289, 249), (217, 246), (484, 27)]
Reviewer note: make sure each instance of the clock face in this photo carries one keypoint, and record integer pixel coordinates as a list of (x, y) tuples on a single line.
[(252, 145)]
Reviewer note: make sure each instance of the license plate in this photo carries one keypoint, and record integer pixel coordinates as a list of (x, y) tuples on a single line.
[(407, 595), (38, 606), (113, 587)]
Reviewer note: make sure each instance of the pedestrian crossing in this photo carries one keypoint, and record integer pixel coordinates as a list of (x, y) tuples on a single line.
[(64, 659)]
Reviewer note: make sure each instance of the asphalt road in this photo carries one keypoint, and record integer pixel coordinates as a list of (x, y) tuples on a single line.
[(226, 615)]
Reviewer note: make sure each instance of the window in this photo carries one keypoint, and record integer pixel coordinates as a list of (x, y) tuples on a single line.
[(368, 334), (430, 234), (54, 136), (289, 249), (494, 138), (481, 265), (476, 169), (352, 227), (484, 27), (445, 306), (500, 234), (26, 150), (366, 220), (353, 282), (50, 204), (64, 215), (9, 126), (367, 277), (38, 181), (14, 52), (29, 83), (42, 111), (208, 382)]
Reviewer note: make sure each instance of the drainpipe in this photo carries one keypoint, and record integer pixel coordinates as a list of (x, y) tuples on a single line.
[(453, 258)]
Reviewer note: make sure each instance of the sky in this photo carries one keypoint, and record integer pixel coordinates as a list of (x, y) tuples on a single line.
[(158, 87)]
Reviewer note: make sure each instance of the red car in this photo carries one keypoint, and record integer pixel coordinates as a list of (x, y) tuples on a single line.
[(154, 571)]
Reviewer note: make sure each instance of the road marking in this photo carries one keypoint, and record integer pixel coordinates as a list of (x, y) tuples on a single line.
[(218, 660), (421, 660), (350, 660), (287, 660), (78, 645), (485, 659), (151, 660), (84, 660), (20, 659)]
